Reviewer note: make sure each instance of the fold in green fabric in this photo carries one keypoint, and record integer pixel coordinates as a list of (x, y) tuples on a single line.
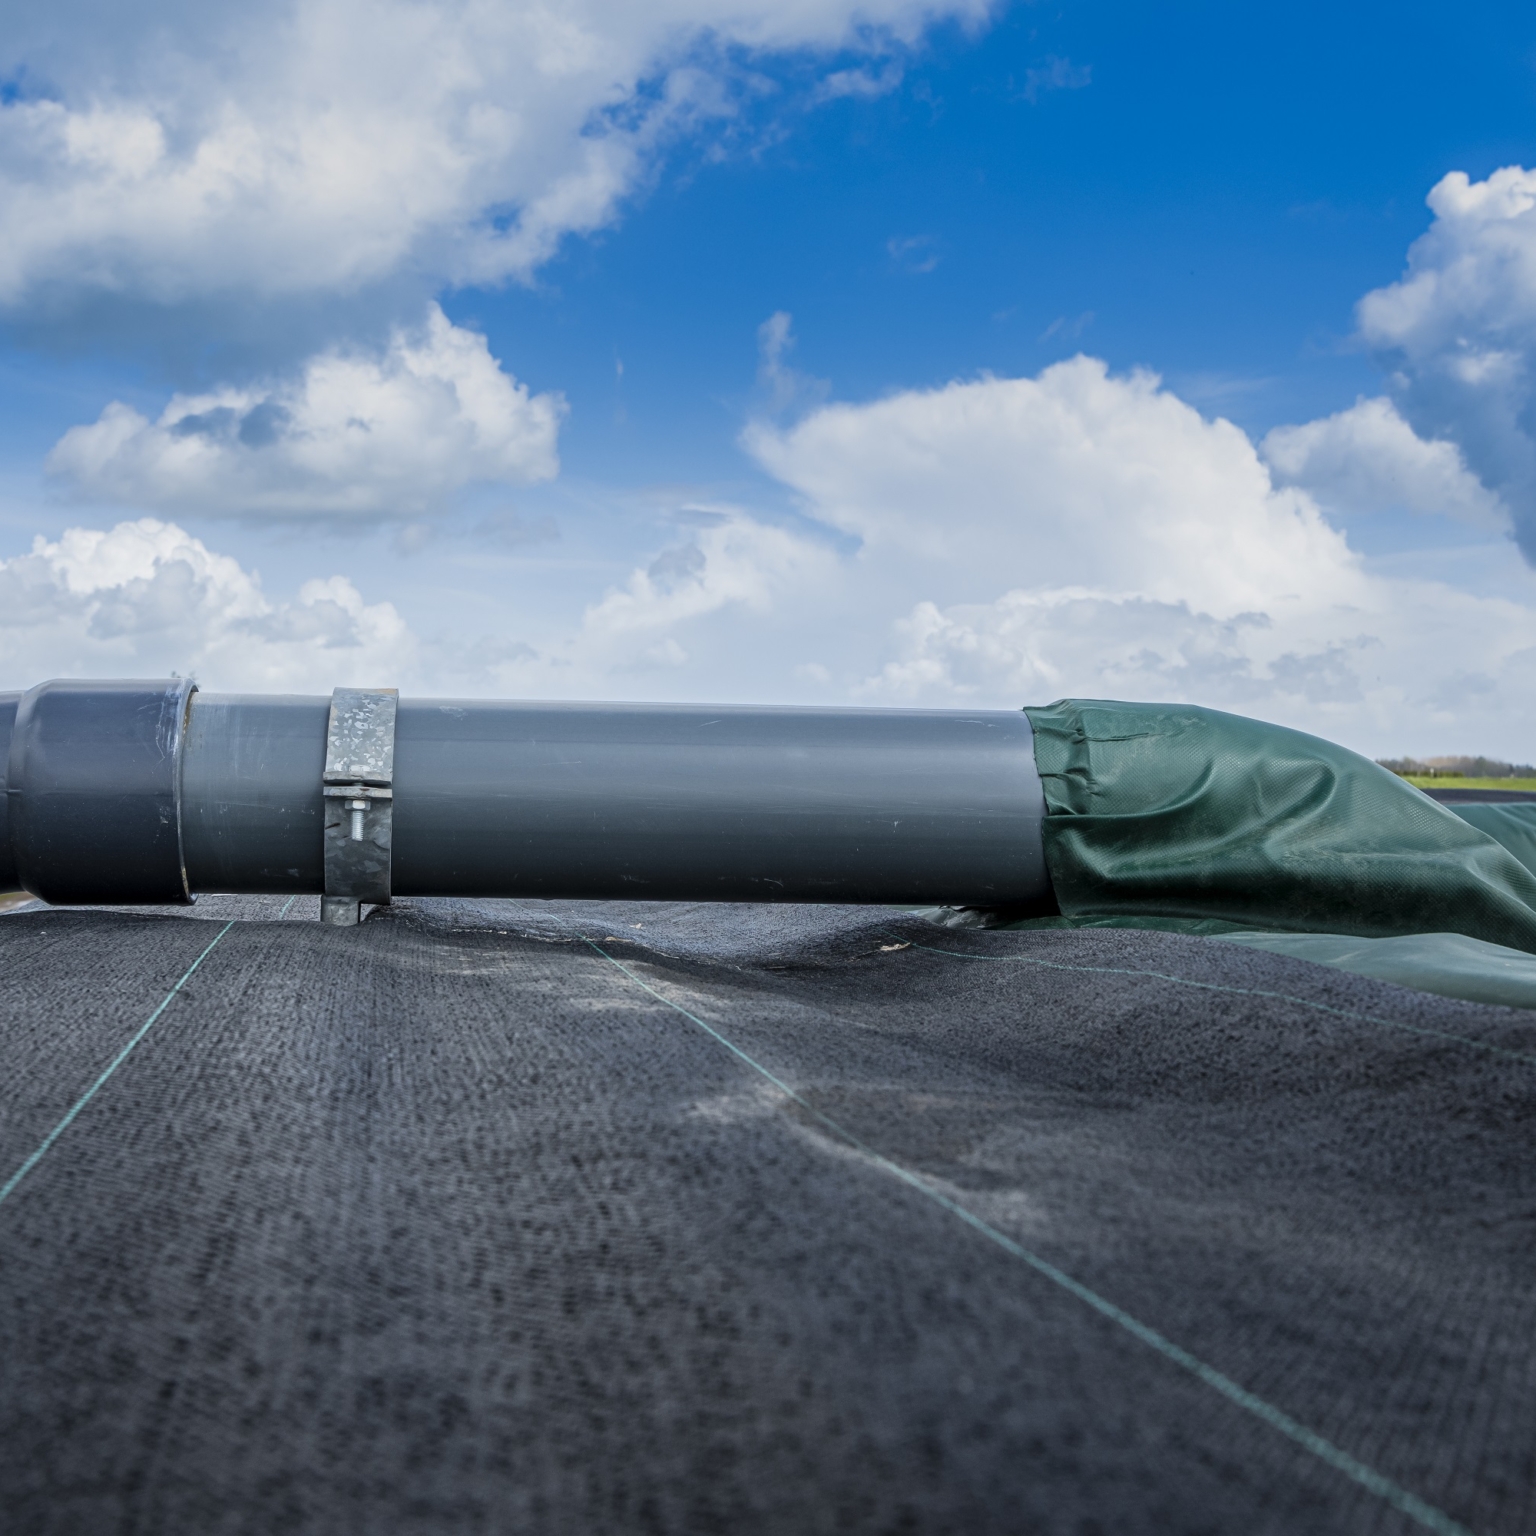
[(1170, 811), (1511, 824), (1448, 963)]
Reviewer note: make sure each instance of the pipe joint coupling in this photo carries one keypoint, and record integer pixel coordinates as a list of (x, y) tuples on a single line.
[(93, 792)]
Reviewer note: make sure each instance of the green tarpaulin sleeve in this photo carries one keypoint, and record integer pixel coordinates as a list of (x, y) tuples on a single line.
[(1173, 811), (1448, 963), (1511, 824)]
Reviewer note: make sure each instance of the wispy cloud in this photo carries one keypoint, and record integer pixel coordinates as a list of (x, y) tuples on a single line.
[(914, 253), (862, 84), (785, 386), (1055, 75), (1068, 327)]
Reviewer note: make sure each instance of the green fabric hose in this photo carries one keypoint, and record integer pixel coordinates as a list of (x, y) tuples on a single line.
[(1171, 811), (1513, 826)]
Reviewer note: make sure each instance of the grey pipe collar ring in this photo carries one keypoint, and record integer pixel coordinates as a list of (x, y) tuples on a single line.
[(92, 802), (358, 786)]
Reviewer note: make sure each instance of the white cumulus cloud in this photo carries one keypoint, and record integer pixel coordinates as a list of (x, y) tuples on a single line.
[(1083, 533), (1368, 459), (732, 566), (146, 599), (1042, 479), (167, 152), (348, 435), (1458, 332), (998, 542)]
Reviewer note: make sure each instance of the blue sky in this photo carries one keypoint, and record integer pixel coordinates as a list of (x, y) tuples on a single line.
[(1216, 194), (1046, 280)]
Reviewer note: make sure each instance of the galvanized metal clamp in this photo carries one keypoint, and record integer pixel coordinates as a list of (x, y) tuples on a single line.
[(359, 802)]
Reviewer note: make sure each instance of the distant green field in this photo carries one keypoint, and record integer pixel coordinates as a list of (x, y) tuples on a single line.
[(1439, 781)]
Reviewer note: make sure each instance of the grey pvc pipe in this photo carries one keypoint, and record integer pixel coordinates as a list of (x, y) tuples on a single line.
[(674, 802)]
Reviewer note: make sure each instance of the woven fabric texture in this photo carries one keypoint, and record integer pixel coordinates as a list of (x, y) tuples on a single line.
[(561, 1217)]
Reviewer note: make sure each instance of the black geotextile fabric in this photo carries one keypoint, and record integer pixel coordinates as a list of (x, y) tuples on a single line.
[(448, 1223)]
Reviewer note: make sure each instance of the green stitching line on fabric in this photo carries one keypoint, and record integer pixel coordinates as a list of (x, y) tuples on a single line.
[(1211, 986), (117, 1061), (1410, 1504)]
